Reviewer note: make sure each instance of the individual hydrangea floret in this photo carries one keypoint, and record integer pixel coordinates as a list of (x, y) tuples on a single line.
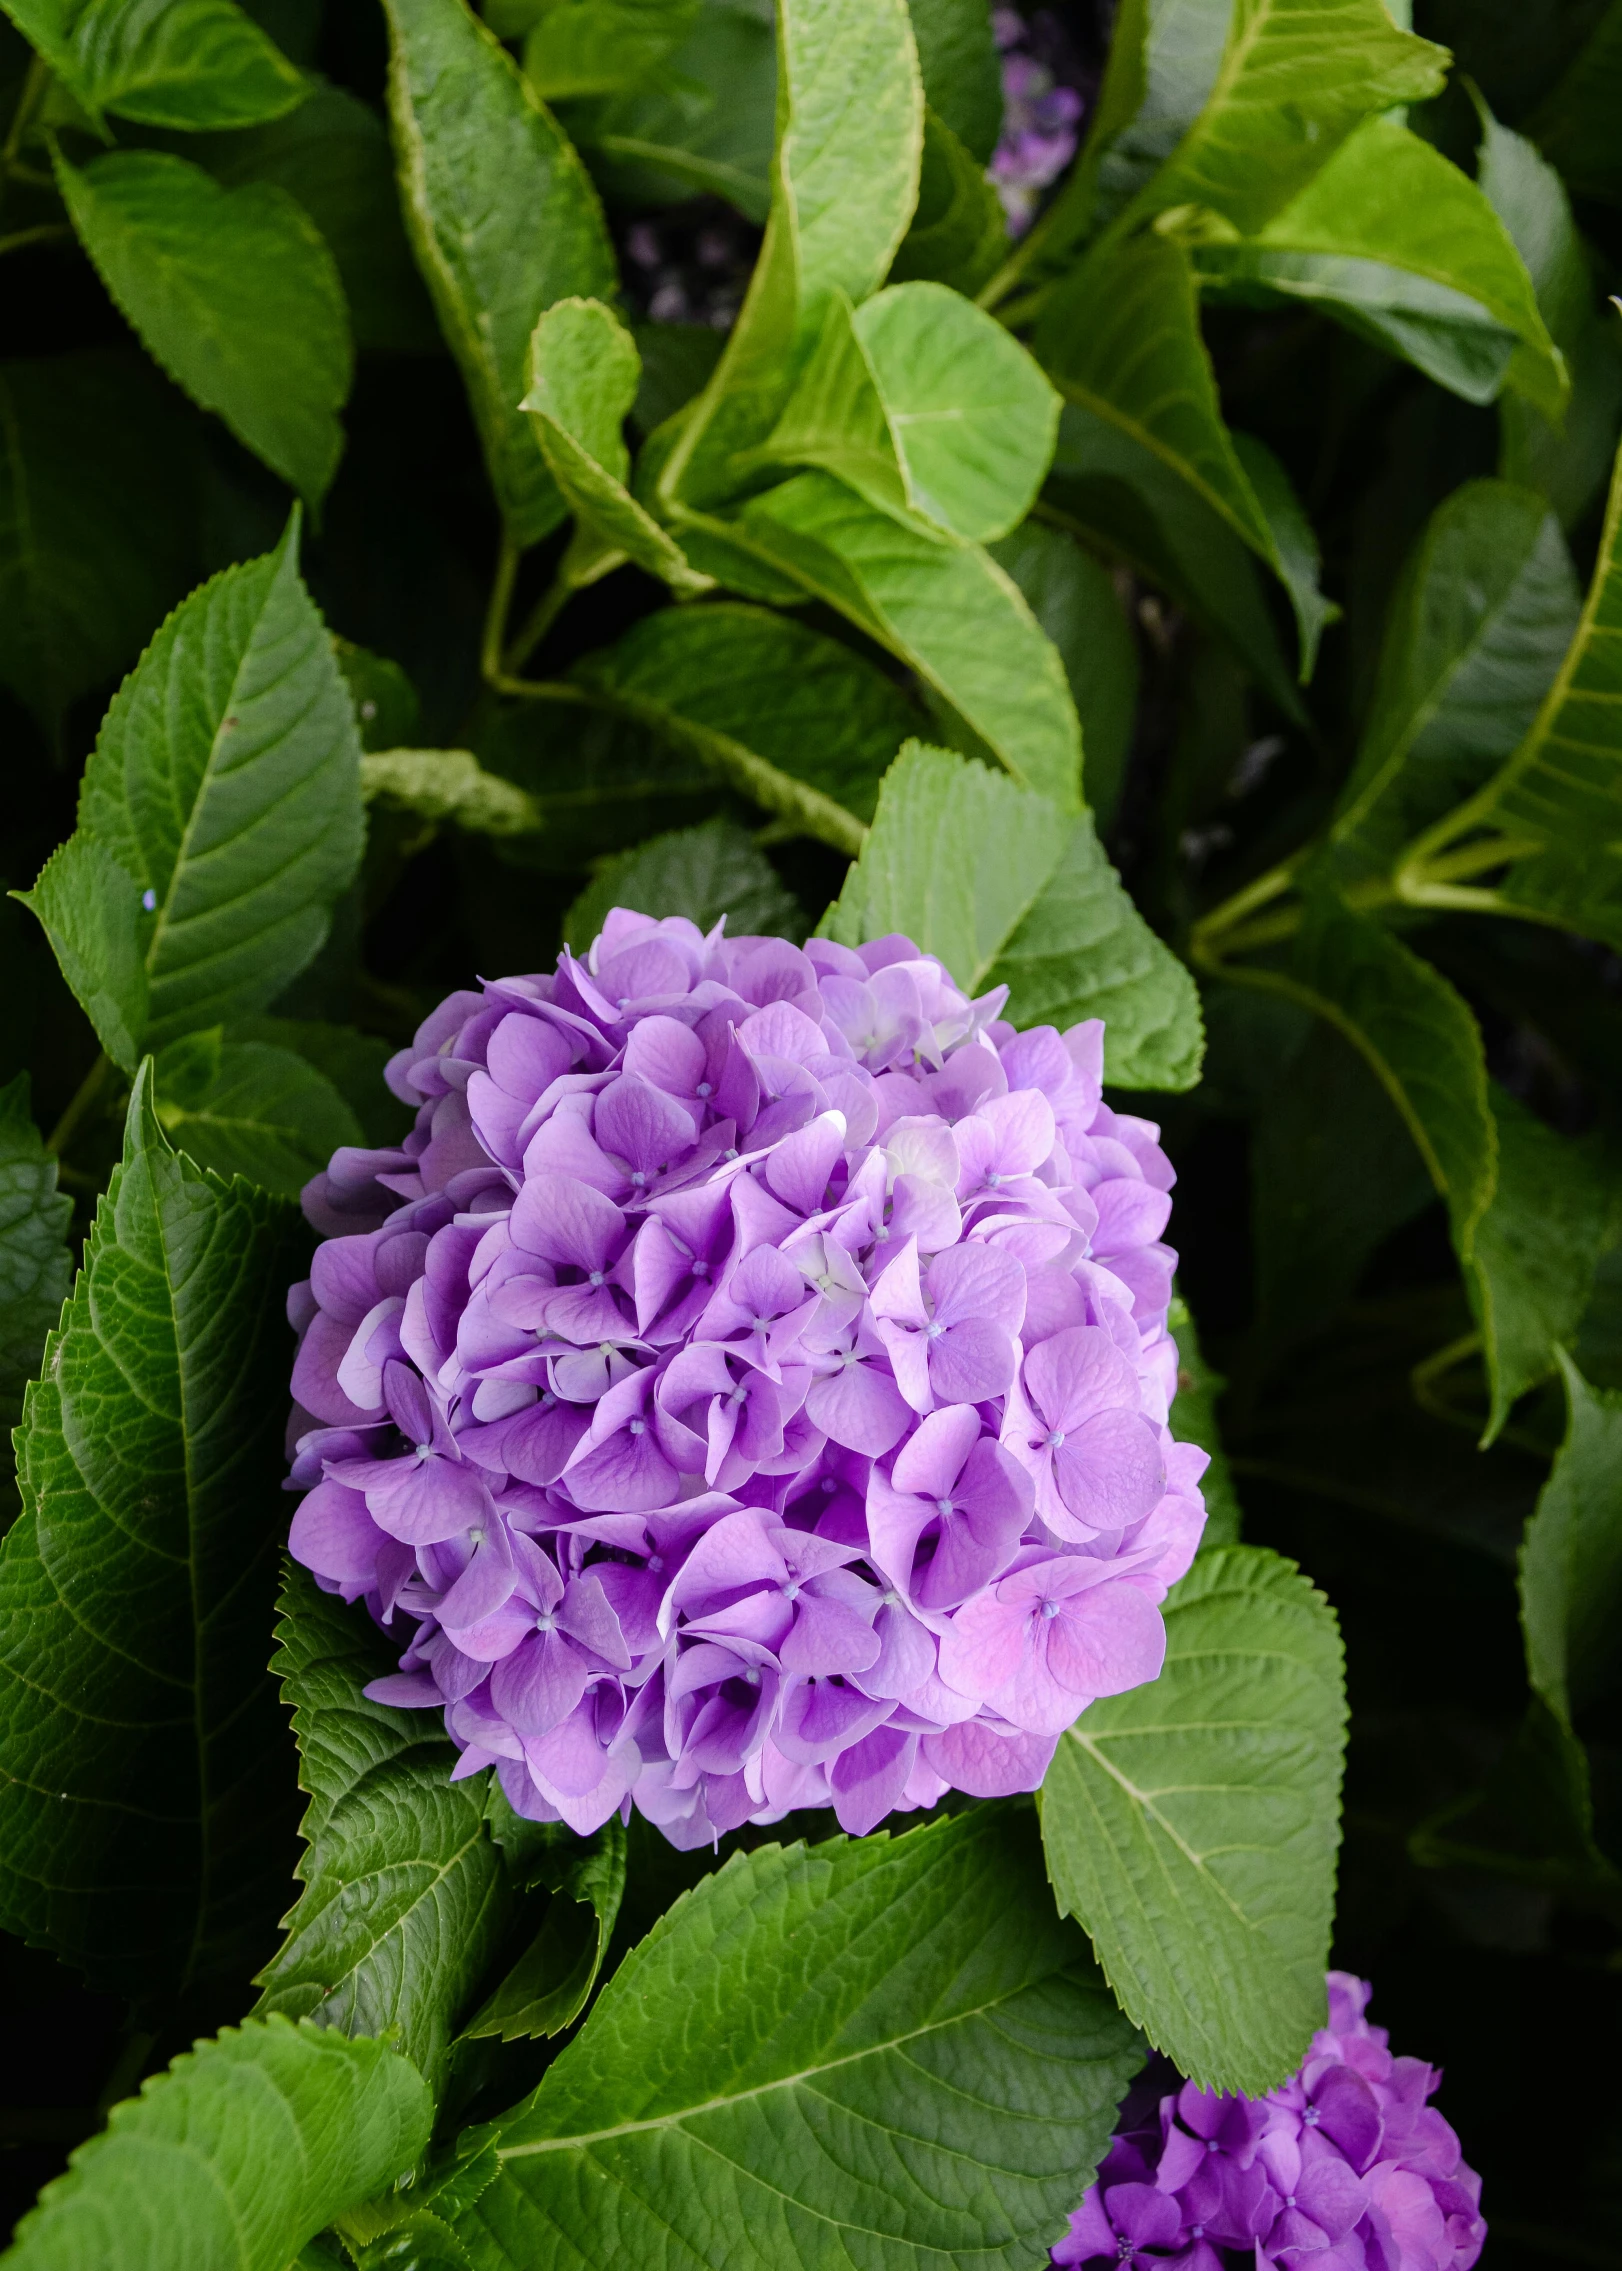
[(1041, 118), (1347, 2167), (746, 1387)]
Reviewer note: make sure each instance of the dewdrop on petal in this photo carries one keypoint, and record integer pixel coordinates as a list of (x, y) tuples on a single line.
[(746, 1387)]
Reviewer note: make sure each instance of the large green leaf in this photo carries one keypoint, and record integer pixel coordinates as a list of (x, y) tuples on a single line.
[(186, 63), (233, 291), (504, 221), (1388, 197), (799, 711), (405, 1894), (583, 373), (958, 59), (144, 1830), (945, 608), (245, 2149), (928, 2072), (1074, 598), (1571, 1560), (850, 122), (249, 1108), (97, 460), (1295, 79), (1567, 459), (226, 782), (1163, 63), (90, 909), (35, 1261), (702, 873), (1477, 628), (924, 403), (551, 1983), (1192, 1825), (1126, 501), (1083, 950)]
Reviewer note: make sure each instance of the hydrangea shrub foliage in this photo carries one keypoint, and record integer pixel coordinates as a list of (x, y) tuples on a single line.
[(802, 720)]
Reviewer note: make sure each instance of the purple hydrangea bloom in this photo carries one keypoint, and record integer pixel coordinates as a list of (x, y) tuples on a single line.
[(746, 1387), (1347, 2167), (1040, 121)]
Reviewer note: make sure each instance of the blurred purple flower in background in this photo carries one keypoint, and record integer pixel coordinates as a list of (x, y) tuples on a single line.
[(1040, 119), (1346, 2167), (746, 1387)]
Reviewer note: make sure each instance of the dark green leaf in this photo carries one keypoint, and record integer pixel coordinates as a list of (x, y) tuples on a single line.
[(959, 232), (551, 1983), (1194, 1420), (145, 1833), (961, 70), (249, 1108), (928, 2074), (602, 784), (1476, 632), (844, 182), (703, 873), (97, 463), (1571, 1561), (807, 707), (504, 221), (1075, 600), (226, 781), (187, 63), (704, 125), (90, 909), (353, 1062), (233, 291), (1575, 124), (238, 2155), (386, 707), (595, 47), (677, 359), (1294, 546), (944, 608), (1192, 1825), (405, 1896), (35, 1261)]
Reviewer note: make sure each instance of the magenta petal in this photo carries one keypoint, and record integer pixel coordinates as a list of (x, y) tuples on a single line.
[(860, 1408), (539, 1684), (1109, 1470), (972, 1362), (978, 1282), (335, 1536), (627, 1474), (868, 1779), (988, 1765), (827, 1637)]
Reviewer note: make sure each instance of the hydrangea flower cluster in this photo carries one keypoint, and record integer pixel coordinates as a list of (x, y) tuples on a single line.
[(1040, 118), (1345, 2168), (746, 1387)]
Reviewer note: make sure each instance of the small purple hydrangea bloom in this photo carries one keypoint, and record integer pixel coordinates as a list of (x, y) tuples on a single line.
[(746, 1387), (1040, 121), (1346, 2167)]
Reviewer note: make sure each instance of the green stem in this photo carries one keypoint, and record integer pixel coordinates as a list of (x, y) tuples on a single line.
[(133, 2053), (541, 618), (496, 613), (79, 1104), (1427, 1376), (47, 232), (1471, 859), (28, 101)]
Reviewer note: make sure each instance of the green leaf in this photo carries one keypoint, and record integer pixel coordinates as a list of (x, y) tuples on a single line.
[(1162, 66), (353, 1062), (1191, 1825), (1294, 548), (1575, 124), (1476, 631), (1296, 78), (703, 873), (449, 784), (143, 1831), (956, 857), (922, 402), (961, 69), (702, 125), (1571, 1559), (595, 47), (583, 373), (1534, 1250), (97, 462), (248, 1108), (1387, 196), (332, 154), (386, 707), (844, 183), (1127, 502), (677, 358), (801, 711), (239, 2154), (1568, 459), (1082, 950), (233, 291), (405, 1895), (1075, 601), (36, 1263), (959, 232), (1122, 340), (89, 908), (226, 781), (1194, 1421), (929, 2072), (602, 784), (551, 1983), (185, 63), (946, 609), (504, 221)]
